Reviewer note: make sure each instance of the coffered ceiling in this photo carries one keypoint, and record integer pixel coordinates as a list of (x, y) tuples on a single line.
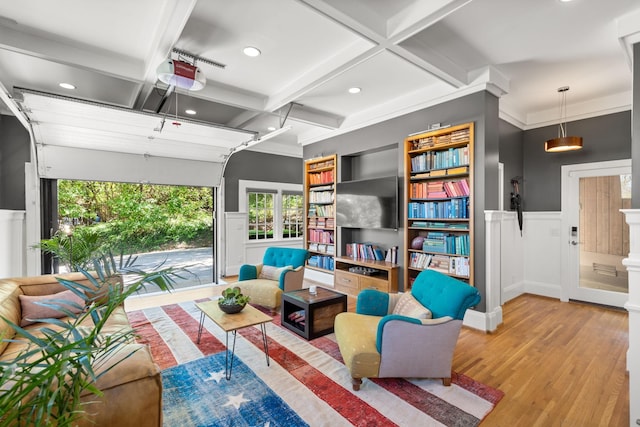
[(403, 54)]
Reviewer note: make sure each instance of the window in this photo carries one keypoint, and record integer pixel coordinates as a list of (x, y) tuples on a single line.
[(292, 216), (260, 211), (274, 210)]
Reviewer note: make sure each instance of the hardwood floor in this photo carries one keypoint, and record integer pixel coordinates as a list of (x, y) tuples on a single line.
[(559, 364)]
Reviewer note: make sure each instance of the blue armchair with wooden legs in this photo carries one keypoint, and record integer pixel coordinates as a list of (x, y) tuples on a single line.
[(409, 335), (281, 270)]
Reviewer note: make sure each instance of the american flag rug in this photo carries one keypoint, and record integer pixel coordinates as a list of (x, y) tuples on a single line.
[(306, 382)]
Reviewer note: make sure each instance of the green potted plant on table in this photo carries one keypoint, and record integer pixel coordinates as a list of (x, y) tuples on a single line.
[(44, 383), (232, 300)]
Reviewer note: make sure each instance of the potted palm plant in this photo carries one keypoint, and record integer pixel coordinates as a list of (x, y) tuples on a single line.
[(43, 385)]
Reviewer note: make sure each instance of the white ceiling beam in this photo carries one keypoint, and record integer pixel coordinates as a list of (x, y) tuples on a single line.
[(174, 17), (72, 53)]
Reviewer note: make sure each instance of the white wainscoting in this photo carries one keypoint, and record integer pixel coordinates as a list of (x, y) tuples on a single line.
[(239, 250), (12, 244), (542, 255), (511, 257)]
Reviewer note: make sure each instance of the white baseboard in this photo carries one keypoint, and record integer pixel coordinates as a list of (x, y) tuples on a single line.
[(551, 290), (487, 322), (512, 291)]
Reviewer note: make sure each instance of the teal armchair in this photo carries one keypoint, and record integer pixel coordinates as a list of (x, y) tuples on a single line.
[(281, 270), (405, 336)]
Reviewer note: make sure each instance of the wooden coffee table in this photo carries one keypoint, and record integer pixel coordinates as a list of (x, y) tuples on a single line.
[(249, 316), (310, 315)]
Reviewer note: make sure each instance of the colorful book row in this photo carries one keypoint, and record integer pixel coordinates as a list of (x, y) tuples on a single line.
[(439, 189), (324, 177), (321, 211), (454, 208), (453, 157), (321, 261), (444, 243), (320, 236), (365, 251)]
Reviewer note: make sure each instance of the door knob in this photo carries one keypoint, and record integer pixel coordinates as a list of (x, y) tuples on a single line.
[(573, 242)]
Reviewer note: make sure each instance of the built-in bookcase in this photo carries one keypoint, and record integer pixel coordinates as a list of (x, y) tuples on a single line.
[(320, 211), (439, 202)]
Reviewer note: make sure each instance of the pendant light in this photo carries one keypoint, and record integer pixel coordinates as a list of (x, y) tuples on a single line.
[(563, 142)]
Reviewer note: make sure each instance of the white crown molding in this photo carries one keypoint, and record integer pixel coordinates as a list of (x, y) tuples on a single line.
[(629, 33)]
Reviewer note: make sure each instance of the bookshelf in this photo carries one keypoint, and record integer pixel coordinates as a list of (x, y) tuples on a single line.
[(320, 211), (439, 201)]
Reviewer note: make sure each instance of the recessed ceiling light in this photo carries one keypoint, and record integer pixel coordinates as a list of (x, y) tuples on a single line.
[(67, 86), (251, 51), (190, 112), (271, 128), (354, 90)]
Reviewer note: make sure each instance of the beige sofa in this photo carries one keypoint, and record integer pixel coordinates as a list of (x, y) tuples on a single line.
[(132, 389)]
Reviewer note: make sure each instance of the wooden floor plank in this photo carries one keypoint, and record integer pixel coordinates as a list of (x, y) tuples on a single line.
[(559, 364)]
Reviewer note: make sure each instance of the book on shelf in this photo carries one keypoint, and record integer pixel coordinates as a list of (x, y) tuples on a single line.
[(392, 255)]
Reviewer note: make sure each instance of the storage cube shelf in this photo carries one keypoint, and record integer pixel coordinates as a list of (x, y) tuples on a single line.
[(320, 210), (439, 202)]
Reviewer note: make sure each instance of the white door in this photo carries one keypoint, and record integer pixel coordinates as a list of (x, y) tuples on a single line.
[(597, 236)]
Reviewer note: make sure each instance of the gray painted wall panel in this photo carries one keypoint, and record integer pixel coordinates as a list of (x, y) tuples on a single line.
[(14, 153), (252, 165), (604, 138), (511, 156)]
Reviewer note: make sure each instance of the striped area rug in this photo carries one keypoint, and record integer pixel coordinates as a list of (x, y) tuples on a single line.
[(309, 376)]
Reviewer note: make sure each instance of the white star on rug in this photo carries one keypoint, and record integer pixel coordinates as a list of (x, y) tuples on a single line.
[(236, 400), (215, 376)]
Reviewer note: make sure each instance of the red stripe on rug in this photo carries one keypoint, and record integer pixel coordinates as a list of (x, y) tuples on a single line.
[(486, 392), (208, 343), (350, 407), (147, 334)]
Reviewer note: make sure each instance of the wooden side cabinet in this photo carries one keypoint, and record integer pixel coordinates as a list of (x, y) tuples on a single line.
[(354, 275)]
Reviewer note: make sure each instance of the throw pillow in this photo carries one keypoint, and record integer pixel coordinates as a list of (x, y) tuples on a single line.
[(408, 306), (32, 311), (272, 273)]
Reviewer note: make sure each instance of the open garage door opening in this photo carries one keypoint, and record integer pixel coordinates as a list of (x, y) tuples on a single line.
[(159, 224)]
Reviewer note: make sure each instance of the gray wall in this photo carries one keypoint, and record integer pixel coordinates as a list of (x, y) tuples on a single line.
[(14, 153), (604, 138), (481, 108), (251, 165), (511, 156)]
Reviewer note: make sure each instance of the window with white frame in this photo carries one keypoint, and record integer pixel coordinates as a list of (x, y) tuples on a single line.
[(274, 210), (292, 215), (261, 214)]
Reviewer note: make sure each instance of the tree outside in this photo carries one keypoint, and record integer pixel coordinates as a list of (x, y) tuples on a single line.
[(134, 218)]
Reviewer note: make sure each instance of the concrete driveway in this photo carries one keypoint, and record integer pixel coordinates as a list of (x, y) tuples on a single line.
[(197, 263)]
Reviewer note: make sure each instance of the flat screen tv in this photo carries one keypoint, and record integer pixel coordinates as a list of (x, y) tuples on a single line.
[(368, 203)]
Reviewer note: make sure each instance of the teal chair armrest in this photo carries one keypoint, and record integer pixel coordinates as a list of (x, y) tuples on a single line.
[(389, 318), (372, 302), (248, 272)]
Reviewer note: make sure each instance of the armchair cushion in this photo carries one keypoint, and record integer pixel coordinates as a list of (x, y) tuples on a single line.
[(444, 295), (248, 272), (408, 306), (372, 302), (273, 273)]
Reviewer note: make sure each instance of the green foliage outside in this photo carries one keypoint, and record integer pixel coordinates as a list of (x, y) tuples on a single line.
[(133, 218)]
